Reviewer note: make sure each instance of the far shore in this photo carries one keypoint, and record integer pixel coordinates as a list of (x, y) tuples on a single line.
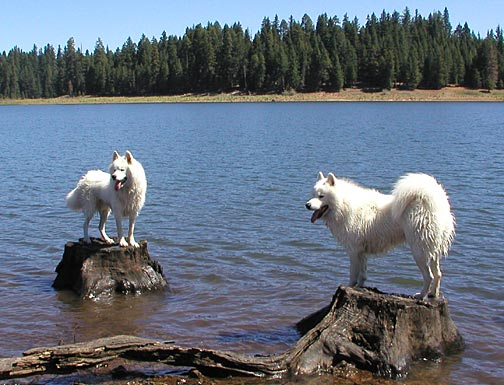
[(447, 94)]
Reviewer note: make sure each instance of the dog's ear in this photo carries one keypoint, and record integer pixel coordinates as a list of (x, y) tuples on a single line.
[(320, 176), (129, 157), (115, 156), (331, 179)]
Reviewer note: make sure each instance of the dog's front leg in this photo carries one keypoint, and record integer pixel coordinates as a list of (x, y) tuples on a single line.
[(103, 220), (131, 238), (354, 269), (120, 235), (363, 270), (358, 269)]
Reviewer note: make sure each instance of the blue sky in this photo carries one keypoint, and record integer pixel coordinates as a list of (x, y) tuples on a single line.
[(24, 23)]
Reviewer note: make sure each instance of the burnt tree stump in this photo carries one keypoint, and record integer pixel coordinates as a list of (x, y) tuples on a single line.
[(364, 328), (97, 269)]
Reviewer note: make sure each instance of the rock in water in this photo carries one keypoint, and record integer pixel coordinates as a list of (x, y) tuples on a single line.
[(96, 269)]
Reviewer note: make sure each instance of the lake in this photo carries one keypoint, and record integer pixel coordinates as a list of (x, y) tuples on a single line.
[(225, 217)]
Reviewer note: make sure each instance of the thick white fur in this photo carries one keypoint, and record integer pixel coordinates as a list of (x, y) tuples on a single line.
[(122, 190), (366, 221)]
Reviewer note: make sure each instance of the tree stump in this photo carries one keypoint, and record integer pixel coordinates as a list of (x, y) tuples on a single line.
[(379, 332), (97, 269)]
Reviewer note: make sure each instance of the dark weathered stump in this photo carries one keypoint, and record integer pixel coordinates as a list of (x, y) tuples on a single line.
[(375, 331), (96, 269), (378, 332)]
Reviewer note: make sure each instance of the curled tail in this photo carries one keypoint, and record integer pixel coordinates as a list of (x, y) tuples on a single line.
[(73, 200), (422, 204), (82, 197)]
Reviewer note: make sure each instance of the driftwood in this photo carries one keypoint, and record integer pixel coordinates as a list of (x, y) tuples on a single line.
[(365, 328), (97, 269)]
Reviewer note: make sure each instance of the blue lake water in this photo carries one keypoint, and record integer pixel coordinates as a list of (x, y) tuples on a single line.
[(225, 218)]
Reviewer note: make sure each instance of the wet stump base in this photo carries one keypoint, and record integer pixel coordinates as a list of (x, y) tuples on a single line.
[(97, 269)]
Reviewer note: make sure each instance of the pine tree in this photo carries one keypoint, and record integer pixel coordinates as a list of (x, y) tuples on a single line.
[(155, 67), (97, 75), (126, 68), (230, 60), (337, 78), (144, 68), (320, 64), (74, 70), (29, 80), (14, 65), (257, 66), (412, 73), (500, 57), (488, 64), (175, 69), (48, 71)]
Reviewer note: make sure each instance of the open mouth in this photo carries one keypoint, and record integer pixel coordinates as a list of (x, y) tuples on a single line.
[(317, 214), (119, 184)]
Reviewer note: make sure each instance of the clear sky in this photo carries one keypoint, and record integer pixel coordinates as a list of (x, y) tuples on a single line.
[(24, 23)]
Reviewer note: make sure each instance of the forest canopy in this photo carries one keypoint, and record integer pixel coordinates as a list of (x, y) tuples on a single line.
[(394, 50)]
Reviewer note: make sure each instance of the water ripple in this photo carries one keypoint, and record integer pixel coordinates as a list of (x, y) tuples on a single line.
[(225, 218)]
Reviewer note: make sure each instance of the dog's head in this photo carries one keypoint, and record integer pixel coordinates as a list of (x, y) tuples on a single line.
[(323, 195), (119, 169)]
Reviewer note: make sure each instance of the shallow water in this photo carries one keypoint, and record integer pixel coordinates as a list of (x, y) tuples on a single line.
[(225, 218)]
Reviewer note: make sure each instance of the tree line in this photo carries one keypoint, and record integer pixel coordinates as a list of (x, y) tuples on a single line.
[(405, 50)]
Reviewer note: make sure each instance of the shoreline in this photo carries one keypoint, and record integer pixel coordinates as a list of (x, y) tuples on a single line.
[(447, 94)]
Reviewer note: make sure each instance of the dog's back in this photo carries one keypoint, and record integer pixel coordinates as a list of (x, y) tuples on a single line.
[(90, 190)]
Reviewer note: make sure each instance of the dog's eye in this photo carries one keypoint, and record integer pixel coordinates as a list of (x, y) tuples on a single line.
[(321, 196)]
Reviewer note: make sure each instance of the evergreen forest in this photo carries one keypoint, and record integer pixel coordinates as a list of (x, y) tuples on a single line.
[(398, 50)]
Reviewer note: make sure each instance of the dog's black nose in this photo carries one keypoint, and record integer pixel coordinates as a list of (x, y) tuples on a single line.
[(308, 205)]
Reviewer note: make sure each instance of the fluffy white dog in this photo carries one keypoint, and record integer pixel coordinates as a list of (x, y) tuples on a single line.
[(366, 221), (122, 190)]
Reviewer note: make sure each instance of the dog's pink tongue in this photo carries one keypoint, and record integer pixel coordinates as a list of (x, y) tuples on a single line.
[(314, 216), (118, 185)]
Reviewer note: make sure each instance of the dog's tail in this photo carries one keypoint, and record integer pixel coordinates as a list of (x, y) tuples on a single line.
[(73, 200), (423, 203)]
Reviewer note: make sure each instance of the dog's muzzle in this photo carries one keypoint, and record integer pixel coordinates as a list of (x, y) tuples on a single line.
[(119, 184), (318, 212)]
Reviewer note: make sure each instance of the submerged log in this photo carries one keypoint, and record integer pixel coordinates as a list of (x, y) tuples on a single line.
[(96, 269), (365, 328)]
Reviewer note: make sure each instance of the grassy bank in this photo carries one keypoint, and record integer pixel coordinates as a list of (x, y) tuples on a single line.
[(348, 95)]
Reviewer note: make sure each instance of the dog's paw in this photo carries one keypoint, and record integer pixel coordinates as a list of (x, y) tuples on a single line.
[(420, 296), (108, 241), (133, 243), (123, 243)]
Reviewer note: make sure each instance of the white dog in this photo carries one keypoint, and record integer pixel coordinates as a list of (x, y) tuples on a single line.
[(123, 191), (366, 221)]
